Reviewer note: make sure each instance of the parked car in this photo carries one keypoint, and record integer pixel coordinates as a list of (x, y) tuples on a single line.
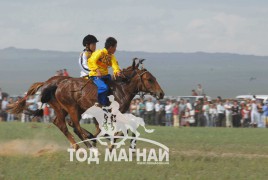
[(263, 98)]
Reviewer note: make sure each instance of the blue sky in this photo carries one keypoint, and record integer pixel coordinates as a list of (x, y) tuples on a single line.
[(238, 26)]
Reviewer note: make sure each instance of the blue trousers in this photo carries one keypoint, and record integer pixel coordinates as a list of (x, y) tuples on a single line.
[(102, 88)]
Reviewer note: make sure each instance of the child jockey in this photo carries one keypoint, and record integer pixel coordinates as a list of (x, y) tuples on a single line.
[(98, 63), (89, 42)]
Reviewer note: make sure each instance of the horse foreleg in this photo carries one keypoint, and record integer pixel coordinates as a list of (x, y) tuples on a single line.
[(133, 142), (98, 130), (87, 133), (122, 142), (114, 140)]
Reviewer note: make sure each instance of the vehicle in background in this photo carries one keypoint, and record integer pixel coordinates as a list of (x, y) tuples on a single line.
[(263, 98)]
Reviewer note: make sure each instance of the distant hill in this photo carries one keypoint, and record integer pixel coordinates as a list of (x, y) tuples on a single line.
[(221, 74)]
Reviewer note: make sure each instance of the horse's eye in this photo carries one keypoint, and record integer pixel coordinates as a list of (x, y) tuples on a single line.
[(151, 80)]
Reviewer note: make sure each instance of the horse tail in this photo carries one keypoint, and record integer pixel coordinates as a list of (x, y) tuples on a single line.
[(36, 113), (46, 96), (20, 105), (48, 93), (34, 88)]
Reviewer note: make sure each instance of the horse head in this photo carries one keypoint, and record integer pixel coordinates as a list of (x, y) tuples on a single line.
[(144, 80)]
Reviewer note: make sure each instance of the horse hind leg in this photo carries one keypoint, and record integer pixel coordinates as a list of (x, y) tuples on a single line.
[(60, 123), (75, 117)]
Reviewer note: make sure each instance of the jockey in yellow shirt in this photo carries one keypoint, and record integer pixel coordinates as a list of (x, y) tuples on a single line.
[(98, 63)]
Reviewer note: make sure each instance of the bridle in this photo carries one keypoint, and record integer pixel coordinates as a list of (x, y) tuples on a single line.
[(140, 93)]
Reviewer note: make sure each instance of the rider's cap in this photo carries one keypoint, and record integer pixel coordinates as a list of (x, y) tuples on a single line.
[(89, 39)]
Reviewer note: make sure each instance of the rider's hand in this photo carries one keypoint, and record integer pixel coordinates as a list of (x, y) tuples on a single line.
[(119, 73), (98, 73)]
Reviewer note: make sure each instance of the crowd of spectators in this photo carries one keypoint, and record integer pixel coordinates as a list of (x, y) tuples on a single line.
[(203, 113), (169, 112)]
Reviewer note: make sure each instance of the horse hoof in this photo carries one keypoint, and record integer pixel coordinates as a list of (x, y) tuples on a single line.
[(75, 146), (111, 148)]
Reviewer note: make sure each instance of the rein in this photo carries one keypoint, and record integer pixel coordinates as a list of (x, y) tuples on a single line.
[(140, 93), (76, 90)]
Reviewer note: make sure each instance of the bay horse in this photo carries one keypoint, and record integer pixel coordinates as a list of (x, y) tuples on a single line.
[(73, 96)]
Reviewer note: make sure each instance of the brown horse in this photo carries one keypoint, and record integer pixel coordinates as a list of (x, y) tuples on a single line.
[(75, 95)]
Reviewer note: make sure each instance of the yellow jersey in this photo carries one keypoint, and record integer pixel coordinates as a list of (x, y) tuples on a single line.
[(101, 60)]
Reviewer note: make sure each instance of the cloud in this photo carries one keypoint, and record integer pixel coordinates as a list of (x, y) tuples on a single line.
[(172, 26), (232, 24)]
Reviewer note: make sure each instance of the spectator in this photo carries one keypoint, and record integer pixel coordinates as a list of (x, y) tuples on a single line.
[(260, 111), (189, 105), (205, 110), (149, 107), (32, 107), (245, 120), (137, 102), (254, 113), (65, 73), (221, 114), (1, 97), (265, 113), (61, 72), (194, 93), (168, 111), (133, 107), (213, 114), (4, 108), (199, 90), (228, 113), (198, 113), (218, 100), (235, 114), (157, 108), (175, 112), (57, 73), (46, 114), (10, 116), (186, 118), (182, 108), (141, 108)]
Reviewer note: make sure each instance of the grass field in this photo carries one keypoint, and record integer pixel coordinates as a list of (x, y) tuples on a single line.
[(39, 151)]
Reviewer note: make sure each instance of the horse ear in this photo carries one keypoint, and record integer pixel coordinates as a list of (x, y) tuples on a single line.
[(141, 62), (134, 63)]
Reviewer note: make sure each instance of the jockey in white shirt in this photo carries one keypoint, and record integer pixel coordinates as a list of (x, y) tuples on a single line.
[(89, 42)]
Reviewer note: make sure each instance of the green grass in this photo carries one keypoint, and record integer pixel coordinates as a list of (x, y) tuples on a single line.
[(195, 153)]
